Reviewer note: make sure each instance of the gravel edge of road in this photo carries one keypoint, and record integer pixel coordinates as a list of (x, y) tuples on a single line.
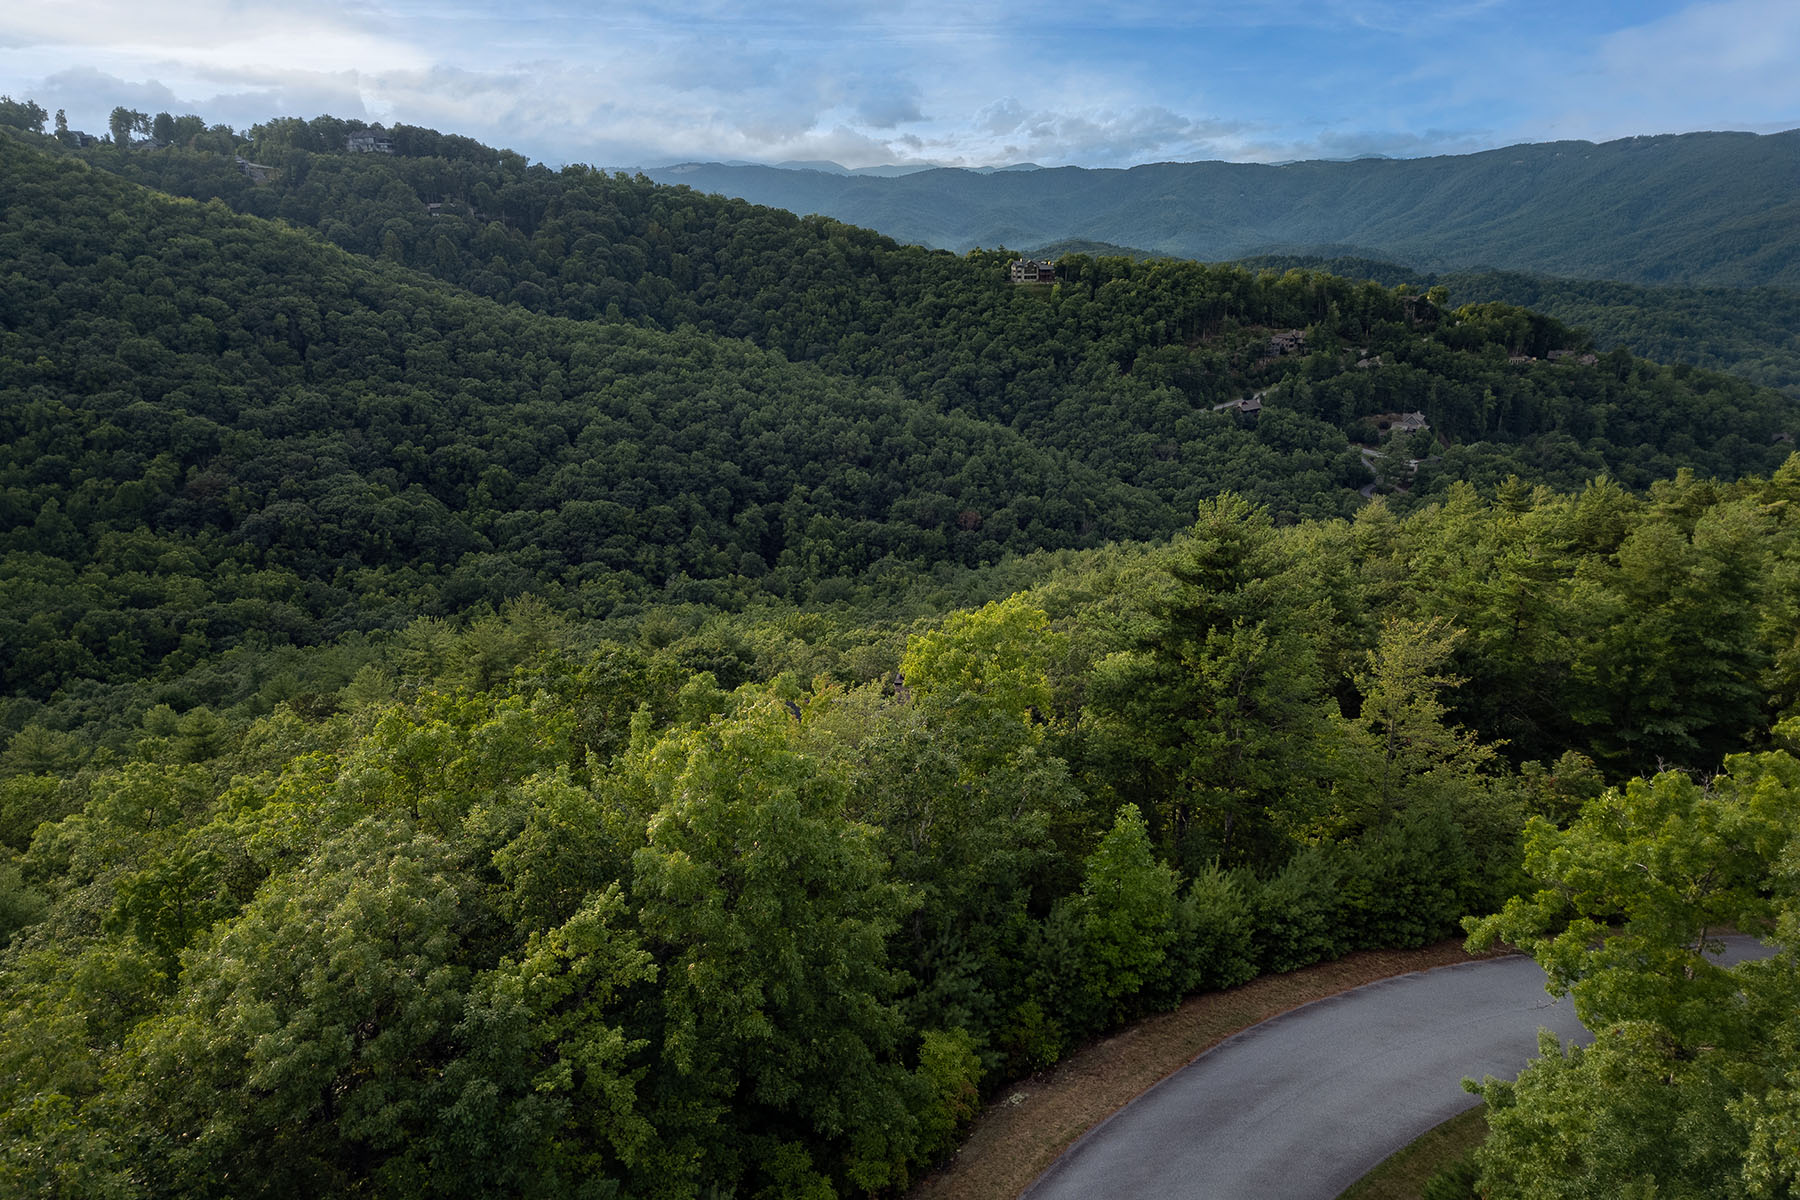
[(1031, 1123)]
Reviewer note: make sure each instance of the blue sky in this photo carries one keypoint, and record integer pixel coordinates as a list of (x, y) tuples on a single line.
[(967, 83)]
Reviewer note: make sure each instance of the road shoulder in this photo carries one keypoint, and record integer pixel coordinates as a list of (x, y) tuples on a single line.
[(1030, 1123)]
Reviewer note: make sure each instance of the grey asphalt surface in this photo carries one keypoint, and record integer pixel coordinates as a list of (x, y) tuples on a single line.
[(1302, 1106)]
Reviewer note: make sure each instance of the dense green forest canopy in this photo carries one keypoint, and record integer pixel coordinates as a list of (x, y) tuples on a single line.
[(582, 244), (222, 429), (523, 909), (590, 689), (1752, 332)]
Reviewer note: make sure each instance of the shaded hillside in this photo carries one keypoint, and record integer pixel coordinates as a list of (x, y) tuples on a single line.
[(1121, 366), (217, 428), (1703, 208), (1055, 250), (1751, 332)]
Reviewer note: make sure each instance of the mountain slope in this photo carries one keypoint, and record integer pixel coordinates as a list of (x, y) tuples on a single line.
[(1752, 332), (212, 428), (217, 428), (1704, 208), (1082, 369)]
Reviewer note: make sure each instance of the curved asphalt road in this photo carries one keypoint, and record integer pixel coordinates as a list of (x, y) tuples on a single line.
[(1303, 1105)]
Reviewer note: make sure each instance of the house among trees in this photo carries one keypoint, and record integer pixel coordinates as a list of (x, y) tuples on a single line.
[(1026, 270), (369, 141), (1249, 404), (1289, 341), (1586, 360), (1411, 422)]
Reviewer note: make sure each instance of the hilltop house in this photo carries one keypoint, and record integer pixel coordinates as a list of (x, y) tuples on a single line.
[(1411, 422), (1026, 270), (369, 141), (1288, 341), (1249, 404), (1586, 360)]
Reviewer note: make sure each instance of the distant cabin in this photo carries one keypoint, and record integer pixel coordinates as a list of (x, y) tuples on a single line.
[(1249, 404), (369, 141), (1586, 360), (1027, 270), (1411, 422), (1288, 341)]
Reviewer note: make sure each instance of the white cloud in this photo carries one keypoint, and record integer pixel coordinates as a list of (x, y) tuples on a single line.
[(148, 95), (1716, 64), (966, 82), (1725, 61), (89, 95), (882, 102), (207, 36)]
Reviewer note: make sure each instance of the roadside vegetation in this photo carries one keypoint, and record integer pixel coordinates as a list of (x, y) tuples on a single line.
[(1432, 1167)]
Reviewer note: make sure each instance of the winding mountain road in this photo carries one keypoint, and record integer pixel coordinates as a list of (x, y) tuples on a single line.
[(1302, 1106)]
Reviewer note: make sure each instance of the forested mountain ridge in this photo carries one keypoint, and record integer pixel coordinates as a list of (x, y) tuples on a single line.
[(452, 745), (582, 244), (327, 442), (1698, 208), (309, 439)]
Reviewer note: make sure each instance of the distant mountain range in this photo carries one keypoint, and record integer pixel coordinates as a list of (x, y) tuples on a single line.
[(827, 167), (1718, 209)]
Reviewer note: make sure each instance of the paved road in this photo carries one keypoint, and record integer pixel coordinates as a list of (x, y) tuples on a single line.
[(1302, 1106)]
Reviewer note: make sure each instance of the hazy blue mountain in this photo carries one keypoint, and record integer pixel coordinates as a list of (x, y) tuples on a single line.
[(1718, 209), (836, 168)]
